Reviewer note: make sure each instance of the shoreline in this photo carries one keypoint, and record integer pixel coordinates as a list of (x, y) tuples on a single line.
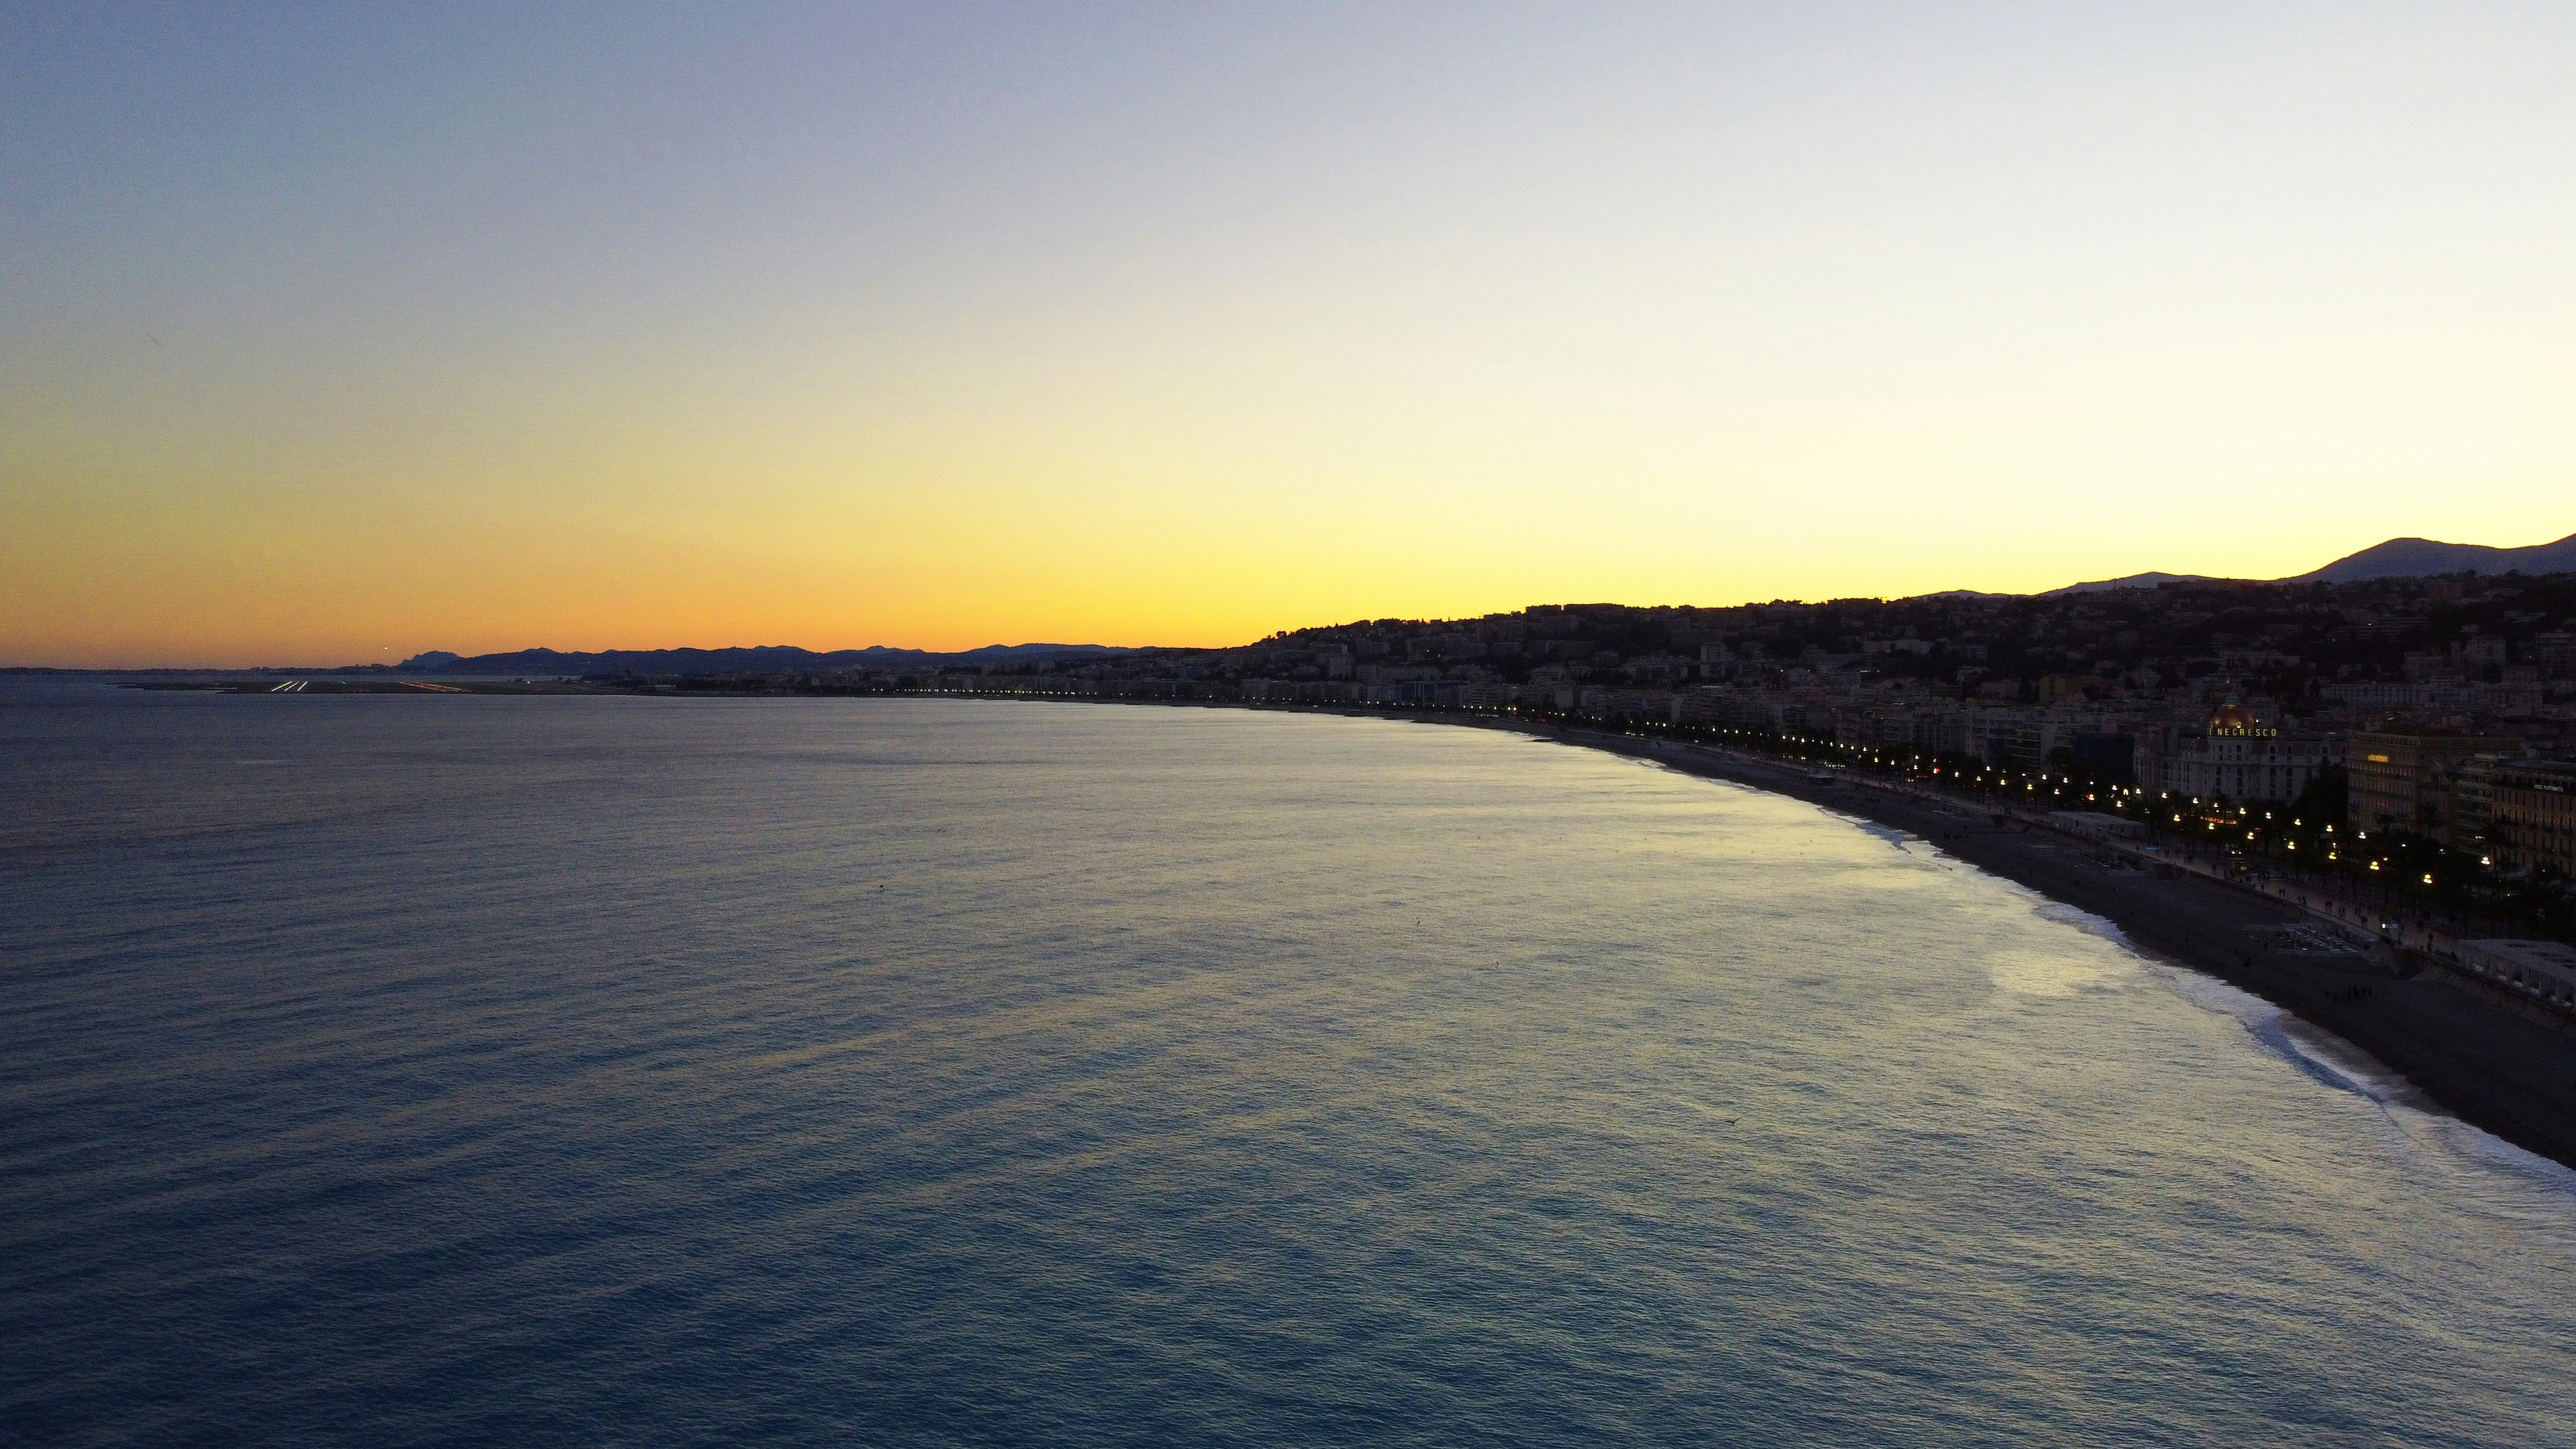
[(2505, 1074), (2470, 1054)]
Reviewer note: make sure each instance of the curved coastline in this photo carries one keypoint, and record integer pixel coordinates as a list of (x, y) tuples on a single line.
[(2504, 1074)]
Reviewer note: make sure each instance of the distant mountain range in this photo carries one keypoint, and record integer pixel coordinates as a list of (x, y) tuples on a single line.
[(757, 659), (2398, 558)]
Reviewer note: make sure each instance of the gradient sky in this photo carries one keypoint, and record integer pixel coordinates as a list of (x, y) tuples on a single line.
[(337, 333)]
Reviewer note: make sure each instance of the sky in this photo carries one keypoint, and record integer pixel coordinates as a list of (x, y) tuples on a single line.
[(335, 333)]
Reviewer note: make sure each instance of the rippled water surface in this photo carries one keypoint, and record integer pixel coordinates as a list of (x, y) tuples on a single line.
[(412, 1070)]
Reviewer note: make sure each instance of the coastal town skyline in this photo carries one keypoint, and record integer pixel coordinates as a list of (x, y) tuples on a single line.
[(2445, 706)]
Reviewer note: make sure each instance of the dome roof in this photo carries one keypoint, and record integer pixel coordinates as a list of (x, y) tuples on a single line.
[(2233, 718)]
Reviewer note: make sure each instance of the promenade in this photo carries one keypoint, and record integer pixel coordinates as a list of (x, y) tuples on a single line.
[(2462, 1044)]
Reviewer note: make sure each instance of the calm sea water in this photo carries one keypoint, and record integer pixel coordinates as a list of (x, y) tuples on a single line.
[(404, 1071)]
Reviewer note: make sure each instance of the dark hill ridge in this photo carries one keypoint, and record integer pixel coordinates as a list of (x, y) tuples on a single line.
[(2133, 581), (2408, 558), (2398, 558), (755, 659)]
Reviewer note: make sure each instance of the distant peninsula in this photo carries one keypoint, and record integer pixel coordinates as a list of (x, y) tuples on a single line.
[(748, 659), (753, 658)]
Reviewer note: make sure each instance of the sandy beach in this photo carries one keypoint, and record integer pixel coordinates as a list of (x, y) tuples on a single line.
[(2499, 1071)]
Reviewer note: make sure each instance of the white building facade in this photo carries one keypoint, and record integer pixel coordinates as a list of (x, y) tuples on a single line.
[(2234, 756)]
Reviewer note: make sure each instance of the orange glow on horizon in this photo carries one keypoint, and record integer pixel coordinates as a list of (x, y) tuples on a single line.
[(1188, 327)]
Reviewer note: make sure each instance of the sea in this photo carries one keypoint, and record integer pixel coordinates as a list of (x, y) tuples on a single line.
[(384, 1071)]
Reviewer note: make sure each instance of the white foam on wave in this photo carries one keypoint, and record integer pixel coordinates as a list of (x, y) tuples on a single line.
[(2083, 920), (2507, 1182), (1889, 833), (1902, 839)]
